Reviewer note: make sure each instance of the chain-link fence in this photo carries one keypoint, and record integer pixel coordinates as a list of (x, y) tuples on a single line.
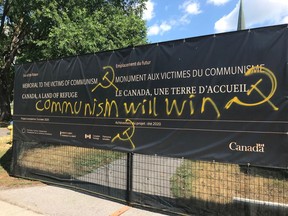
[(174, 186)]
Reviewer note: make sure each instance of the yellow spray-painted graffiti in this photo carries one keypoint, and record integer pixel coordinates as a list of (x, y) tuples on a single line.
[(150, 106), (99, 109), (208, 99), (127, 134), (146, 106), (109, 77), (270, 75)]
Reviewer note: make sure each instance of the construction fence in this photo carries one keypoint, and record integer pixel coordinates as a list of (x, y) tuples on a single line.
[(174, 186), (196, 126)]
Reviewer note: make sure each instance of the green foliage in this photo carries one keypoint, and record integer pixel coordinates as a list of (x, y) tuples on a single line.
[(89, 161), (181, 181), (34, 30), (64, 28), (105, 29)]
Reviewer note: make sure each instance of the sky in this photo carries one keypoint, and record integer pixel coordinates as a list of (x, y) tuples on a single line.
[(178, 19)]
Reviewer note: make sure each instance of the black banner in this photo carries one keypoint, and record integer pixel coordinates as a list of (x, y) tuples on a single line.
[(219, 97)]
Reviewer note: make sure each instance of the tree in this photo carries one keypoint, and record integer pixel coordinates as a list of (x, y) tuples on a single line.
[(34, 30)]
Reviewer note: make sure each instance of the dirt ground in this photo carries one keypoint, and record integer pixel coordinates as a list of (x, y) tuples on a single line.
[(7, 181)]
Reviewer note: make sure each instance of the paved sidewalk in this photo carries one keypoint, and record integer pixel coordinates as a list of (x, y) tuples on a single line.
[(56, 201), (4, 131), (14, 210)]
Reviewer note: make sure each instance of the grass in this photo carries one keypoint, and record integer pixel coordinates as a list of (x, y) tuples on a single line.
[(6, 181), (60, 160), (89, 160), (219, 183), (181, 182), (207, 181), (67, 160)]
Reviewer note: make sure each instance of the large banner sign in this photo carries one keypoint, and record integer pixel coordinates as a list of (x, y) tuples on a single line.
[(221, 97)]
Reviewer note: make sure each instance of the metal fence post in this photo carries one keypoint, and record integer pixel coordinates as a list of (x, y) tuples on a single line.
[(129, 189)]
